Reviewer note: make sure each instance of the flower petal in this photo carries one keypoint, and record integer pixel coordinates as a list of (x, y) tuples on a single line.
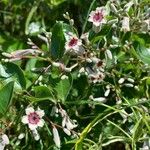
[(32, 126), (5, 139), (40, 112), (25, 119), (2, 146), (40, 123), (29, 110)]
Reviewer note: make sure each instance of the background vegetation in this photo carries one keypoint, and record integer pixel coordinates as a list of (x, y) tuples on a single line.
[(122, 121)]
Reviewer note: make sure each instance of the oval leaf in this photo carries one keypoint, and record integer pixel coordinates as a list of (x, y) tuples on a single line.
[(57, 41), (15, 73), (5, 97)]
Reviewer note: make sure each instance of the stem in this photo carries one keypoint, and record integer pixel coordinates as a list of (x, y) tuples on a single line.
[(84, 26)]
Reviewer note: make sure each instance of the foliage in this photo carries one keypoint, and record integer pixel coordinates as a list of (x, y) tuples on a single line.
[(79, 81)]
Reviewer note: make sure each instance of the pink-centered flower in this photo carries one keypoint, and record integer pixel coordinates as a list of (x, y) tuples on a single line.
[(98, 16), (73, 43), (33, 118)]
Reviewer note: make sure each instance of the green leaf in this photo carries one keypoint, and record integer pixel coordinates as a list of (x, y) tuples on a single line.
[(29, 18), (58, 38), (144, 53), (63, 88), (3, 73), (57, 2), (15, 73), (42, 92), (5, 97), (58, 41), (137, 130)]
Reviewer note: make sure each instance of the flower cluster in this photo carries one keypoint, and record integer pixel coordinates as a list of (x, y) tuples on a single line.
[(94, 68), (67, 123)]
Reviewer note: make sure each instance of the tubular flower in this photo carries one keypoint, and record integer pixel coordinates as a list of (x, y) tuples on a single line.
[(4, 140), (98, 17), (33, 118), (73, 43), (125, 24)]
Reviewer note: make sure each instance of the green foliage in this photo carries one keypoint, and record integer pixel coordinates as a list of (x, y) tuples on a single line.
[(96, 94), (5, 97)]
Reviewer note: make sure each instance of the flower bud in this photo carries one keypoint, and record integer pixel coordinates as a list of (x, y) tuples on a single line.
[(128, 85), (113, 8), (100, 99), (67, 131), (109, 54), (21, 136), (56, 137), (125, 24), (130, 80), (107, 93), (121, 80)]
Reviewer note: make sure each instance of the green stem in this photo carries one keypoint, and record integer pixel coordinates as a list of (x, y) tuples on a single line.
[(85, 23)]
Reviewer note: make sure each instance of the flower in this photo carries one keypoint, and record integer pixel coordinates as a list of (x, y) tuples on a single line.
[(73, 43), (125, 24), (21, 136), (67, 123), (33, 118), (36, 134), (4, 140), (56, 137), (98, 17)]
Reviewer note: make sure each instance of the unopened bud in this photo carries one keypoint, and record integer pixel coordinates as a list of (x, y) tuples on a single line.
[(130, 80), (109, 54), (113, 8), (121, 80), (107, 93), (128, 85), (71, 21)]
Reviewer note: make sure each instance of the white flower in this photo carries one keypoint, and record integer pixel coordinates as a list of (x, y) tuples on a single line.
[(67, 123), (96, 77), (34, 27), (125, 24), (70, 124), (4, 140), (85, 37), (33, 118), (36, 135), (108, 54), (73, 43), (98, 17), (67, 131), (56, 137)]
